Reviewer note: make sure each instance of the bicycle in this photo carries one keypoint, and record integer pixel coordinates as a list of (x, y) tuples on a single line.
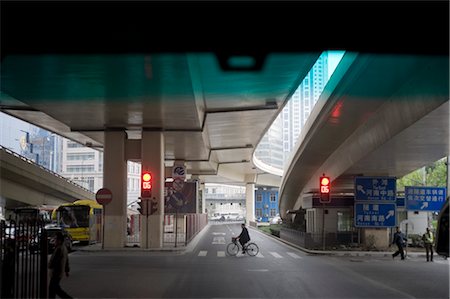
[(234, 247)]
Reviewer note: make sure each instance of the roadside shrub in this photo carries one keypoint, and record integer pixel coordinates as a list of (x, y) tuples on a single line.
[(275, 232)]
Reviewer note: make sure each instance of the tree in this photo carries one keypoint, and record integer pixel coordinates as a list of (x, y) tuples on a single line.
[(434, 175)]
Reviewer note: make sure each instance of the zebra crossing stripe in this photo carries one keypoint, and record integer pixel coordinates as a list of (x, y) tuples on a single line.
[(294, 255), (276, 255)]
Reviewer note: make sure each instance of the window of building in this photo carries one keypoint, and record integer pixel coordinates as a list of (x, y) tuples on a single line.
[(258, 212), (272, 197), (90, 183), (72, 144), (259, 197), (344, 221), (80, 168), (273, 212), (80, 156)]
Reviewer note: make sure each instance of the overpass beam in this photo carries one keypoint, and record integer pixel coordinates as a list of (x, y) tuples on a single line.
[(115, 179), (152, 160), (250, 197)]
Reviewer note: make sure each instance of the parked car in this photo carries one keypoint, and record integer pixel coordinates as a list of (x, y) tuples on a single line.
[(51, 239)]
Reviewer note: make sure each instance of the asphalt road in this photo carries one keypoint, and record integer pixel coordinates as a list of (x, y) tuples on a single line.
[(279, 271)]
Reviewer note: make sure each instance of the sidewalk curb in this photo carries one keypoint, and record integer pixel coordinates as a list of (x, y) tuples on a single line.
[(339, 253)]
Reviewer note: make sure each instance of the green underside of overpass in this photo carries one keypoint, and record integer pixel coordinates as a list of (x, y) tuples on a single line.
[(165, 77), (139, 78)]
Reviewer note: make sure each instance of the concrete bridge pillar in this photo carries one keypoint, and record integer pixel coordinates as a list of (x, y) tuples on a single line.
[(115, 179), (152, 160), (250, 198)]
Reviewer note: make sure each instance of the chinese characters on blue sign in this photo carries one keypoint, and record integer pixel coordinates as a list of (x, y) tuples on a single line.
[(375, 188), (375, 201), (375, 214), (425, 198)]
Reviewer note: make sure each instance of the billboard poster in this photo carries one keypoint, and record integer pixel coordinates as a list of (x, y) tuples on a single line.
[(182, 200)]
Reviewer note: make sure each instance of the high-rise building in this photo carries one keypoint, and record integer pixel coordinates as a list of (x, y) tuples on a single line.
[(84, 166), (276, 145), (297, 110), (270, 148)]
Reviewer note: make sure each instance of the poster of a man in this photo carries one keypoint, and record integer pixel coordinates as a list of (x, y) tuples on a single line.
[(183, 201)]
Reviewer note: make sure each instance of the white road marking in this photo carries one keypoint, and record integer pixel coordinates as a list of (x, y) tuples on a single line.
[(220, 253), (259, 255), (218, 240), (232, 232), (258, 270), (294, 255), (276, 255), (220, 234), (203, 253)]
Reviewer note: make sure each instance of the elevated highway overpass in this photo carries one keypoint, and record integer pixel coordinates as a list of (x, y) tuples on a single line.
[(22, 182), (121, 87), (379, 115)]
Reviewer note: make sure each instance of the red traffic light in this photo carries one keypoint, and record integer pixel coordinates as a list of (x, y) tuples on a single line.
[(324, 185), (146, 185), (146, 177)]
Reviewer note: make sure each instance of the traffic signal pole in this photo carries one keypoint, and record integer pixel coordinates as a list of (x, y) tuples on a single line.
[(146, 220), (325, 197), (323, 226)]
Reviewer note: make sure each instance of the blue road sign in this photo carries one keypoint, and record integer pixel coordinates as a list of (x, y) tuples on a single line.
[(425, 198), (375, 214), (375, 188)]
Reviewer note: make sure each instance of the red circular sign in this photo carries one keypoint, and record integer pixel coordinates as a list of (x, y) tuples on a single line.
[(103, 196)]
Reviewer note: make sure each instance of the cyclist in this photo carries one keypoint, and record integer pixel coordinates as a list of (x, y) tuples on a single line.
[(243, 237)]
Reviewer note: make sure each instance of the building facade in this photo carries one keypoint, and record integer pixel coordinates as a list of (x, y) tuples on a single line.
[(266, 203), (224, 200), (84, 166)]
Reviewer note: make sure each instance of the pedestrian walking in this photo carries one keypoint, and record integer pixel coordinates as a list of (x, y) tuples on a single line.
[(400, 241), (428, 240), (58, 265)]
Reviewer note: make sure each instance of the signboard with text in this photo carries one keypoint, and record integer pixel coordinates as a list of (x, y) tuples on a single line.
[(375, 214), (425, 198), (375, 188)]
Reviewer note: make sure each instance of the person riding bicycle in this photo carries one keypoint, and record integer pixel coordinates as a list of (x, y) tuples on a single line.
[(243, 237)]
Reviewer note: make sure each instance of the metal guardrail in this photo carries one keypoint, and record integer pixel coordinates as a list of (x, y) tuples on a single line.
[(23, 259), (8, 151)]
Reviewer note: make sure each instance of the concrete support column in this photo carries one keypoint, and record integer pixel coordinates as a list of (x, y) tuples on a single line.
[(201, 205), (203, 199), (115, 179), (250, 198), (152, 160)]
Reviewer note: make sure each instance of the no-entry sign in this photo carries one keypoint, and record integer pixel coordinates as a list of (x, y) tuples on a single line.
[(103, 196)]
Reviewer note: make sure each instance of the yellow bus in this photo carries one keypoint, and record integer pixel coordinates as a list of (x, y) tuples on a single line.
[(82, 219)]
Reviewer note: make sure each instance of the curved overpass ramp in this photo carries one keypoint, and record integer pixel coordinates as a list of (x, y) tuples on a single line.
[(378, 115), (23, 182)]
